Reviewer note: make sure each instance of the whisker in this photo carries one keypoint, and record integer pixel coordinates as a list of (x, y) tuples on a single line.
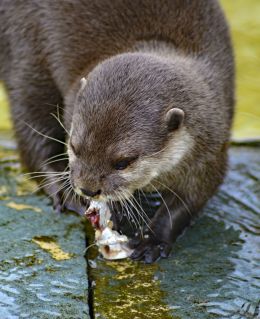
[(139, 196), (56, 178), (89, 246), (169, 213), (46, 136), (54, 161), (121, 201), (111, 204), (142, 212), (46, 184), (68, 194), (65, 193), (131, 217), (57, 117), (60, 107), (77, 198), (58, 155), (63, 186), (174, 193), (46, 173), (141, 222), (140, 207), (136, 217), (45, 176), (144, 195)]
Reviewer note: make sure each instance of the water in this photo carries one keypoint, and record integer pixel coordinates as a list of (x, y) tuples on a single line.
[(214, 268), (42, 265)]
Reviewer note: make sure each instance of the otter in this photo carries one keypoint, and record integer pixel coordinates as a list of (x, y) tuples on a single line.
[(145, 96)]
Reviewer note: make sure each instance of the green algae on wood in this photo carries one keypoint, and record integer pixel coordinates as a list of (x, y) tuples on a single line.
[(124, 288), (127, 289), (18, 207), (51, 246), (42, 268)]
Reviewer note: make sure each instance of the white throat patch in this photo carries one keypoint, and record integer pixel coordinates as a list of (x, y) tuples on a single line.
[(181, 143)]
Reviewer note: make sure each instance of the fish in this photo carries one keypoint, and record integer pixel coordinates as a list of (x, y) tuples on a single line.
[(110, 243)]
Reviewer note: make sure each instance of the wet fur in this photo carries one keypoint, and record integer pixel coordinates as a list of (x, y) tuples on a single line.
[(176, 50)]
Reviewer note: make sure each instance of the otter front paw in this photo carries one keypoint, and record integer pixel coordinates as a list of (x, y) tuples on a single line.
[(149, 248), (61, 202), (78, 207)]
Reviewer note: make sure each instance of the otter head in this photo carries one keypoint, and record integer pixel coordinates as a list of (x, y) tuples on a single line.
[(125, 117)]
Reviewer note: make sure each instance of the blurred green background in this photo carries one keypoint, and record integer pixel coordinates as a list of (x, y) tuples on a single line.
[(243, 16), (244, 19)]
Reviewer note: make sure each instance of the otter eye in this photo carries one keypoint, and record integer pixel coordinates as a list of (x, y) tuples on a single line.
[(124, 163)]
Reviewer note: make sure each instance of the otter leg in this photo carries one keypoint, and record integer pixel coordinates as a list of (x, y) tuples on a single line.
[(179, 207), (39, 135), (168, 223)]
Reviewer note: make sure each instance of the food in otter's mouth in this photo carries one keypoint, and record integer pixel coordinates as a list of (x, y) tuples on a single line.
[(110, 243)]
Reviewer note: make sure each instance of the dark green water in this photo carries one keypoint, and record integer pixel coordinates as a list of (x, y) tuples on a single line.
[(216, 264)]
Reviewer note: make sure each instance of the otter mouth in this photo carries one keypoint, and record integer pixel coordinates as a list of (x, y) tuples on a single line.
[(99, 198), (105, 198)]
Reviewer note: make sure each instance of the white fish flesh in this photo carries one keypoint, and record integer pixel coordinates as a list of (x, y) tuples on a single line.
[(110, 243)]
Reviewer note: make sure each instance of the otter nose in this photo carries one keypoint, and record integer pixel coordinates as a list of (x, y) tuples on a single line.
[(89, 193)]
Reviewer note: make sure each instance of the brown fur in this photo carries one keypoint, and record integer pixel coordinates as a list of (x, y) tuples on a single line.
[(140, 59)]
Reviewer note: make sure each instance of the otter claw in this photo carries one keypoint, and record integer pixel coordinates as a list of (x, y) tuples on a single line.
[(57, 205), (134, 242), (69, 205), (152, 254), (58, 208), (149, 253), (165, 250), (75, 207), (149, 250)]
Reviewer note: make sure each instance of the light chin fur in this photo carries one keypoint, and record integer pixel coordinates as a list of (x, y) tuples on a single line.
[(180, 144)]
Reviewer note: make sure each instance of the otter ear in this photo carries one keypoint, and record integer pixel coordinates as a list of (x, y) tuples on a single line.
[(174, 118), (83, 82)]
